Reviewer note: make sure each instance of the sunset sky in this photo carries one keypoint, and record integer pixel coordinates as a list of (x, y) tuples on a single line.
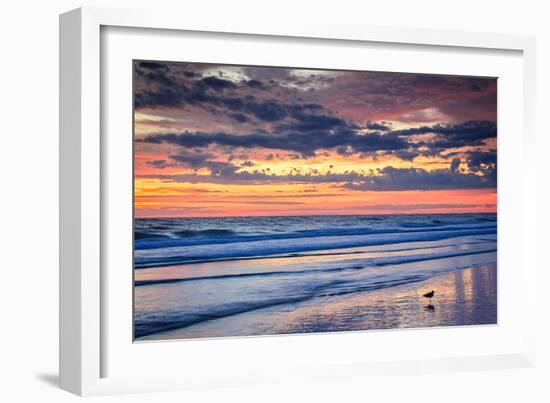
[(216, 140)]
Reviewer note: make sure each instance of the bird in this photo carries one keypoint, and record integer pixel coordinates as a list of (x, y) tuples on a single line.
[(429, 295)]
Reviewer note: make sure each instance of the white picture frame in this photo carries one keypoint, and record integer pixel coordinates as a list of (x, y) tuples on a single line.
[(83, 307)]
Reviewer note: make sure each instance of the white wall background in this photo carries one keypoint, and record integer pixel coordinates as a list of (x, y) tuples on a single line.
[(29, 187)]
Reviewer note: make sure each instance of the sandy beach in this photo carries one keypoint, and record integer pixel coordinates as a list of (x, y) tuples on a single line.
[(463, 297)]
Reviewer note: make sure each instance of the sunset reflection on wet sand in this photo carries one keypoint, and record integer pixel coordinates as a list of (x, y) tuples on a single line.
[(462, 297)]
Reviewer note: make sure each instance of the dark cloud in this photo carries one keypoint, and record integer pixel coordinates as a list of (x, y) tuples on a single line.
[(237, 107), (305, 143), (191, 159), (390, 178), (455, 164), (255, 84), (161, 88), (466, 132), (269, 111), (153, 65), (406, 155), (239, 117), (160, 164), (219, 95), (377, 126), (449, 136), (386, 179), (217, 84), (374, 93), (311, 122), (484, 162), (307, 134), (477, 160), (198, 160), (165, 98)]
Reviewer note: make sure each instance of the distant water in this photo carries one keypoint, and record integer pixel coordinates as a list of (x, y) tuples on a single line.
[(171, 241), (195, 270)]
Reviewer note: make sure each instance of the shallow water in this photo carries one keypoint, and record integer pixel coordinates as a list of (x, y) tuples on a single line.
[(463, 297), (304, 277)]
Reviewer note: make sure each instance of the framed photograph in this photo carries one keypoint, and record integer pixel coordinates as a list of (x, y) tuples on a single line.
[(276, 200), (237, 197)]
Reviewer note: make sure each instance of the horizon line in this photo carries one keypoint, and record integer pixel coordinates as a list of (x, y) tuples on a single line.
[(316, 215)]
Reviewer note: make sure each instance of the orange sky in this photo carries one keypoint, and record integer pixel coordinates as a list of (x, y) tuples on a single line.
[(191, 160)]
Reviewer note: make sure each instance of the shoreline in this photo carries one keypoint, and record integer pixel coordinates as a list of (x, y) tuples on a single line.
[(462, 297)]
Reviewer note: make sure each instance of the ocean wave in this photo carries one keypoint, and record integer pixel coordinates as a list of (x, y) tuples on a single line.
[(365, 265), (329, 252), (269, 246), (222, 236), (142, 235), (206, 232)]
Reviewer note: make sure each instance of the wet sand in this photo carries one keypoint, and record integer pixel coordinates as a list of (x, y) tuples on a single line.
[(462, 297)]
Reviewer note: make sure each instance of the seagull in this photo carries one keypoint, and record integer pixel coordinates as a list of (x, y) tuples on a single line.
[(429, 295)]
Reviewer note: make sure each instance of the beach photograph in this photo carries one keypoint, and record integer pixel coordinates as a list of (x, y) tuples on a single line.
[(284, 200)]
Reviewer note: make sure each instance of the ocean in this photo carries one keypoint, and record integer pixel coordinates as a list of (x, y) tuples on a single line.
[(216, 277)]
